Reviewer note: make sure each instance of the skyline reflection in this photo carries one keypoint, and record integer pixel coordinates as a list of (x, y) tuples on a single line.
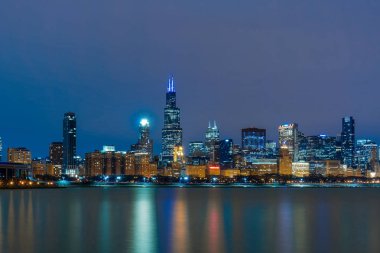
[(189, 220)]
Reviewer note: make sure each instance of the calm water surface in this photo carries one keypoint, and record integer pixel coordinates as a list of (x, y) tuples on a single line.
[(133, 219)]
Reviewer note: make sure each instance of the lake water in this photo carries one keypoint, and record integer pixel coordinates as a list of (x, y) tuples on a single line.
[(164, 219)]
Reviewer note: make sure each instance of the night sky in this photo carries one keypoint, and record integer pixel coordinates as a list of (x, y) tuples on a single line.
[(243, 63)]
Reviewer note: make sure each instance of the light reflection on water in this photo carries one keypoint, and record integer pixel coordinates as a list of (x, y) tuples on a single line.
[(140, 220)]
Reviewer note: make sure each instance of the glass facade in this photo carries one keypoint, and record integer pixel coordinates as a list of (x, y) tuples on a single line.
[(348, 141), (69, 144), (288, 134), (172, 131), (253, 138)]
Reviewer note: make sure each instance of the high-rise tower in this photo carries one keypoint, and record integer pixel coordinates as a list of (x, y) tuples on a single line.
[(172, 131), (212, 142), (69, 144), (145, 143), (288, 135), (1, 149), (348, 141)]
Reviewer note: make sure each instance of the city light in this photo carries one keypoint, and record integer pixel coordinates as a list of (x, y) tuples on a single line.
[(144, 122)]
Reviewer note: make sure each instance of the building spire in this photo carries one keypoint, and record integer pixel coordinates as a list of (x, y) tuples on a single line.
[(215, 124), (171, 84), (209, 124)]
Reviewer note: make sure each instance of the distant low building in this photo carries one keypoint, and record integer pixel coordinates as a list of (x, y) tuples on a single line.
[(300, 169), (19, 155), (15, 170), (198, 171), (230, 173)]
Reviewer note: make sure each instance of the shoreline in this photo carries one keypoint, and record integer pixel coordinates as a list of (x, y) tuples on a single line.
[(200, 185)]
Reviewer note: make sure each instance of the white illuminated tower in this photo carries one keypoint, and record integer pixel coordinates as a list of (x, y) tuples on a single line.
[(144, 144)]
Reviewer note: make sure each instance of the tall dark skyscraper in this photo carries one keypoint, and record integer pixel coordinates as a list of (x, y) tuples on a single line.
[(56, 153), (225, 153), (1, 149), (348, 141), (172, 131), (69, 144)]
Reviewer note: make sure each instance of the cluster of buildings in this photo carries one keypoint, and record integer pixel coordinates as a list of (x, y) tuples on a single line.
[(293, 154)]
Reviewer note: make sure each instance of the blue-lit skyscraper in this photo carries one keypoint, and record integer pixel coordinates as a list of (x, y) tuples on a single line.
[(172, 131), (253, 138), (225, 153), (348, 141), (69, 144)]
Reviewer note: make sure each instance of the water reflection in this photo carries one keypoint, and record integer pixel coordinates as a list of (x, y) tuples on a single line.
[(189, 220), (144, 222), (180, 225), (214, 224)]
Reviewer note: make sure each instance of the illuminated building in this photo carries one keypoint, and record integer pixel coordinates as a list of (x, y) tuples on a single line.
[(333, 168), (39, 167), (318, 147), (226, 153), (288, 134), (325, 168), (285, 161), (300, 169), (107, 148), (197, 149), (69, 144), (212, 142), (19, 155), (271, 148), (94, 163), (213, 170), (261, 167), (112, 162), (348, 141), (327, 150), (144, 143), (198, 171), (56, 153), (178, 154), (53, 170), (197, 153), (230, 173), (142, 164), (172, 131), (373, 164), (364, 153), (129, 168), (253, 138)]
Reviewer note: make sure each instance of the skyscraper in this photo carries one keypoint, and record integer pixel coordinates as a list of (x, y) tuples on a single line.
[(69, 144), (212, 142), (1, 149), (56, 153), (253, 138), (144, 143), (348, 141), (225, 153), (288, 134), (172, 131)]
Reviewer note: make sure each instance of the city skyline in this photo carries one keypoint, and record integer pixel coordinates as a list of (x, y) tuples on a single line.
[(170, 102), (273, 62)]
